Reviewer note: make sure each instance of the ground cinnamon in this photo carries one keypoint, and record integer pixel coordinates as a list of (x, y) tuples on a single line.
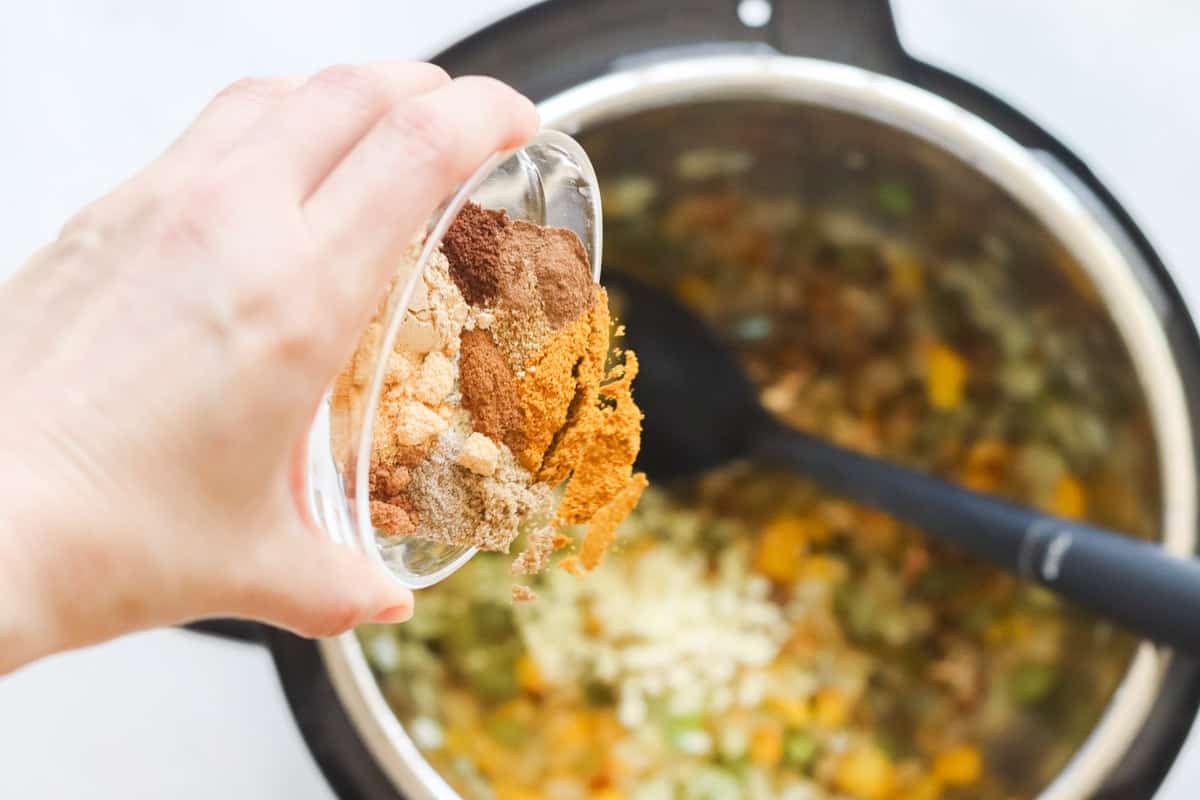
[(560, 268), (489, 390), (472, 247)]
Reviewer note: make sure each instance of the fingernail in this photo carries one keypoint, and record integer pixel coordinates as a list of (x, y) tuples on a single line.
[(402, 613)]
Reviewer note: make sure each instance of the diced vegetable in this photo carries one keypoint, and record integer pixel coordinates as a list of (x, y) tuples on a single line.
[(599, 693), (505, 791), (925, 788), (947, 377), (506, 730), (712, 783), (1070, 501), (987, 462), (907, 273), (606, 794), (529, 675), (831, 708), (782, 543), (753, 637), (865, 772), (1030, 683), (800, 748), (895, 198), (789, 709), (766, 744), (688, 733), (959, 766)]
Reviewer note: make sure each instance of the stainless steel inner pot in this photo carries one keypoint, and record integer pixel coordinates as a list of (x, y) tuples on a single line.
[(1045, 192)]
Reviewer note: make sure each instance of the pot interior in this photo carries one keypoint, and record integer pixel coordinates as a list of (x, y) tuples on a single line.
[(754, 637)]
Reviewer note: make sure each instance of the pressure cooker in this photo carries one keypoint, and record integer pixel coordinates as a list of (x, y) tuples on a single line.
[(840, 64)]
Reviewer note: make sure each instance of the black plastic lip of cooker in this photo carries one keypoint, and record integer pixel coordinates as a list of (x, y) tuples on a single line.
[(559, 44)]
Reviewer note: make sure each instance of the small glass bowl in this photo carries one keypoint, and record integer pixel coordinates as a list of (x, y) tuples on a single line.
[(550, 181)]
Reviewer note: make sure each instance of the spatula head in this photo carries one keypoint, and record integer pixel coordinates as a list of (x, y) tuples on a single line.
[(701, 409)]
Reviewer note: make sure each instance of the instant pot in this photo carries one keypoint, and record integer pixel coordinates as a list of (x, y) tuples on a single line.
[(588, 63)]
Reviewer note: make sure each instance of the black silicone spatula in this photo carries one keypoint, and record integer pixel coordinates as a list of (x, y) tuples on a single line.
[(702, 411)]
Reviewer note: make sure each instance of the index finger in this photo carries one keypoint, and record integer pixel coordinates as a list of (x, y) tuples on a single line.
[(368, 208)]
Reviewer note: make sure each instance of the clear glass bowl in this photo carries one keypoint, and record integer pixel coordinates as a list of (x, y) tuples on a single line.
[(550, 181)]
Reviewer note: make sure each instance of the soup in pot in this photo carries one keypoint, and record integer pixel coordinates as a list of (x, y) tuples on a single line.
[(752, 636)]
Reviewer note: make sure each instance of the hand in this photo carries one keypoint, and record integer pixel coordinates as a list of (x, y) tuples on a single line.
[(161, 361)]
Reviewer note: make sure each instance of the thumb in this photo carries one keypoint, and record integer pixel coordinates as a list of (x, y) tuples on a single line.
[(321, 588)]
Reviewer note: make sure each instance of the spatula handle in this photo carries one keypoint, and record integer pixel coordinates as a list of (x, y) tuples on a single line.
[(1130, 582)]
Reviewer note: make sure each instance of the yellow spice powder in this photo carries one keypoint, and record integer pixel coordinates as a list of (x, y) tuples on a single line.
[(603, 529), (605, 465), (584, 415), (546, 389), (582, 427)]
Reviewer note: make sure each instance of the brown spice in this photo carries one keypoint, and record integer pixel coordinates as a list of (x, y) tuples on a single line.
[(388, 481), (538, 549), (489, 390), (472, 246), (392, 519), (518, 254), (558, 262), (603, 529), (457, 506), (520, 335)]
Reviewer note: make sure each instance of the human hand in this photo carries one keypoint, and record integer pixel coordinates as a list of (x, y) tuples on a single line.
[(163, 358)]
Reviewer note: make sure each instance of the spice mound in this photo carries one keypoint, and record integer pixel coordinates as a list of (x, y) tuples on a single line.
[(504, 405)]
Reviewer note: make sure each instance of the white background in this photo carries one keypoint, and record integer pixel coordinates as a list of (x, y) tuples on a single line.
[(89, 91)]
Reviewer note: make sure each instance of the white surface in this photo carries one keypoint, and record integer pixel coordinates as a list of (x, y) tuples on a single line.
[(91, 91), (167, 714)]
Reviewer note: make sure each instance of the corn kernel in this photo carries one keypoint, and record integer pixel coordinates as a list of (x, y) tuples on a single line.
[(575, 730), (529, 675), (823, 568), (907, 276), (606, 794), (780, 547), (492, 759), (959, 766), (946, 380), (831, 708), (865, 772), (926, 788), (1070, 500), (766, 745), (793, 712)]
